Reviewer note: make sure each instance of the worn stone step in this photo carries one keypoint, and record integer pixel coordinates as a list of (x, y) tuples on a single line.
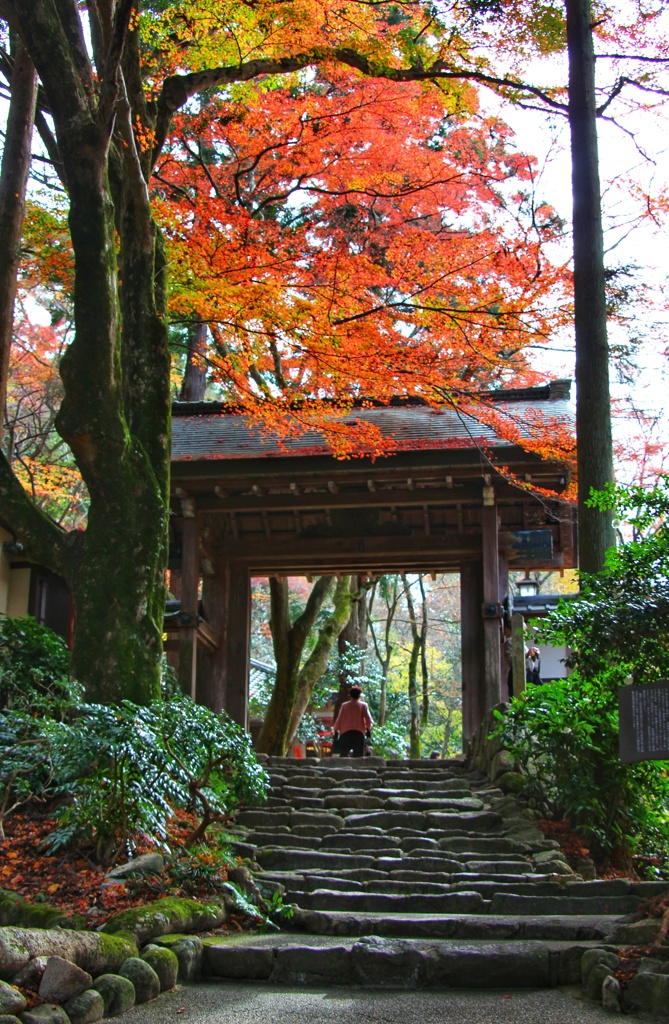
[(499, 867), (286, 859), (479, 844), (446, 803), (375, 962), (260, 839), (584, 928), (507, 903), (346, 799), (392, 903), (345, 840)]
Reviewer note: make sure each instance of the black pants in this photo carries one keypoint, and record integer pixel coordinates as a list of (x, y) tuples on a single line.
[(352, 740)]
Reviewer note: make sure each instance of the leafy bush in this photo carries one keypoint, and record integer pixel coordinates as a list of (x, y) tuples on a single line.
[(36, 695), (389, 740), (130, 767), (121, 770), (565, 735), (34, 669)]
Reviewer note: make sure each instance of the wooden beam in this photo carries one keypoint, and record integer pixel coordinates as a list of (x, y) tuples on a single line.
[(237, 644), (190, 578), (472, 640)]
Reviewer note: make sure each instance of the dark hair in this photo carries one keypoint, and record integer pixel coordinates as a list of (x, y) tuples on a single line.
[(355, 693)]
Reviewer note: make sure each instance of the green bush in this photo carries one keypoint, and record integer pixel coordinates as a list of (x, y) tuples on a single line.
[(34, 670), (120, 770), (565, 735), (128, 768)]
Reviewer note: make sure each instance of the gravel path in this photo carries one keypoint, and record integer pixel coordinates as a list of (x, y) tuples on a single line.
[(248, 1003)]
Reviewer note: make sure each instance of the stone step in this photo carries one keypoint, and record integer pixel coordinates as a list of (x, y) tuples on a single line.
[(377, 962), (392, 903), (507, 903), (584, 928)]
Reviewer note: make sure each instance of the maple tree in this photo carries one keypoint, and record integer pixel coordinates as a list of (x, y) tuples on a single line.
[(109, 117)]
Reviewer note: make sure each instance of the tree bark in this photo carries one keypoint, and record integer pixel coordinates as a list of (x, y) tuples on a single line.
[(593, 400), (289, 640), (414, 705), (116, 406), (316, 664), (194, 383), (13, 180)]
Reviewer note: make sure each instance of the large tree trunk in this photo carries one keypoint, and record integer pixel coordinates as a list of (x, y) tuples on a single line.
[(194, 384), (351, 643), (289, 640), (116, 406), (593, 400), (316, 664), (13, 180), (414, 658)]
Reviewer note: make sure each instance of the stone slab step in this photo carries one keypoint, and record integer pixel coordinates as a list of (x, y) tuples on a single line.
[(376, 962), (379, 902), (586, 928), (292, 860), (507, 903)]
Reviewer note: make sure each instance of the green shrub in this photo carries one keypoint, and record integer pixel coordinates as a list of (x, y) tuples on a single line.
[(128, 768), (34, 670), (565, 735)]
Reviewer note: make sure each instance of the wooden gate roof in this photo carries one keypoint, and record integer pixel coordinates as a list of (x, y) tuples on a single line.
[(287, 505)]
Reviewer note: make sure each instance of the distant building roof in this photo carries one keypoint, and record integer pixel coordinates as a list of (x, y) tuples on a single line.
[(208, 430)]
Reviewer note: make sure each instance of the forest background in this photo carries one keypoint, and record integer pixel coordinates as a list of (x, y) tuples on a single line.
[(503, 199)]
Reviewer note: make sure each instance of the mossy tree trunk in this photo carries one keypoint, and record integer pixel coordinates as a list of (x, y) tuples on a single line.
[(317, 662), (289, 640), (13, 180), (389, 589), (593, 398), (115, 412), (418, 641)]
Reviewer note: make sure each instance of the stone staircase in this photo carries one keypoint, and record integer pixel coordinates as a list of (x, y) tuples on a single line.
[(412, 874)]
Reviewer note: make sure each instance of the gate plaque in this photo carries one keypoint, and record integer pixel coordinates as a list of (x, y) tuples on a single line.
[(644, 722)]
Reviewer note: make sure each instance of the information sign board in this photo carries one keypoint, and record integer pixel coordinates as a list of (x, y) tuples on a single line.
[(644, 722)]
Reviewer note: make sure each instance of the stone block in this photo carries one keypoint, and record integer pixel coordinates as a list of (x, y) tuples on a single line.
[(118, 994), (387, 963), (45, 1013), (313, 965), (11, 1000), (143, 977), (594, 957), (165, 963), (189, 951), (86, 1008), (62, 980), (245, 962)]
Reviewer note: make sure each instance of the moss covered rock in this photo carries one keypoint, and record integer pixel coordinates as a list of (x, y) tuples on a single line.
[(86, 1008), (171, 914), (143, 977), (11, 1000), (46, 1013), (189, 951), (165, 963), (15, 910), (117, 993), (92, 951)]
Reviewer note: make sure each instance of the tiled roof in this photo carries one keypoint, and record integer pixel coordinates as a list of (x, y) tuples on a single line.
[(206, 431)]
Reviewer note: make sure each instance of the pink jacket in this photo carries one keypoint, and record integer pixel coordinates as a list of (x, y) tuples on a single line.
[(354, 714)]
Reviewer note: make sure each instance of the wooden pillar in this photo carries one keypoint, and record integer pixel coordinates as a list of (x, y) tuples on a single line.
[(211, 668), (491, 618), (190, 578), (503, 564), (471, 641), (518, 656), (237, 644)]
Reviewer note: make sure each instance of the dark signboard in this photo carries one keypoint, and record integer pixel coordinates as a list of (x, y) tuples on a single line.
[(532, 545), (644, 722)]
